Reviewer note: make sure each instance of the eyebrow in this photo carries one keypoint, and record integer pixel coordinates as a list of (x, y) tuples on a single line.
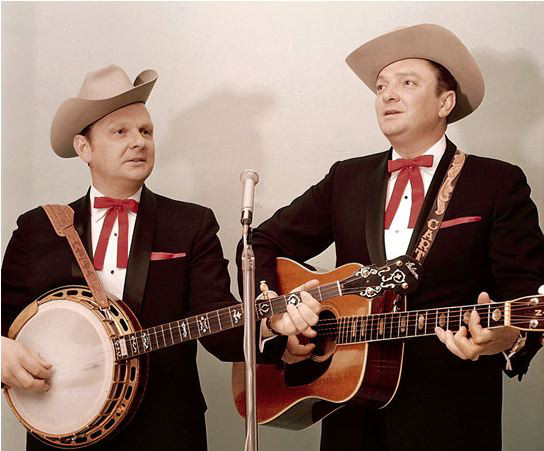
[(401, 74), (123, 123)]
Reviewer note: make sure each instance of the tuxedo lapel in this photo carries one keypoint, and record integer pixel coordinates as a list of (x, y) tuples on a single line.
[(375, 208), (82, 224), (140, 251), (431, 194)]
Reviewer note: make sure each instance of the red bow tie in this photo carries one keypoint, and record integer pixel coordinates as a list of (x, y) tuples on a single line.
[(116, 207), (409, 170)]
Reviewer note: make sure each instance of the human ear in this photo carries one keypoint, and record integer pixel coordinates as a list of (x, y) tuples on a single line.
[(447, 103), (82, 147)]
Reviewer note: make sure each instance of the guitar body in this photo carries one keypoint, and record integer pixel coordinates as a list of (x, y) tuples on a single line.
[(297, 396)]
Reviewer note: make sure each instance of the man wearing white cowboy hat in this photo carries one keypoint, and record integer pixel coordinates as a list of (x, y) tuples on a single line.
[(162, 257), (489, 242)]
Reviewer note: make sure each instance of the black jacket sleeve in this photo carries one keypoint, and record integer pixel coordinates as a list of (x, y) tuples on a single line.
[(516, 251), (210, 290), (15, 292)]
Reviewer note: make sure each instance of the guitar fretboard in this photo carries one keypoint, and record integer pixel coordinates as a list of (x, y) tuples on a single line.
[(408, 324)]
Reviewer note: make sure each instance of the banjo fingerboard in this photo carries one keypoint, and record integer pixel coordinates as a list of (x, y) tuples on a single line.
[(187, 329)]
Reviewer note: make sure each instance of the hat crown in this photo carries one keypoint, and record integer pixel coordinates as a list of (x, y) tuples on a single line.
[(105, 83)]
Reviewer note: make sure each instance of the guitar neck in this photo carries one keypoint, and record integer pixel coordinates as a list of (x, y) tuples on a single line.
[(187, 329), (416, 323)]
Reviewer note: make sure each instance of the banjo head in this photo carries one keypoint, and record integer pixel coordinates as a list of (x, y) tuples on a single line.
[(82, 357), (90, 393)]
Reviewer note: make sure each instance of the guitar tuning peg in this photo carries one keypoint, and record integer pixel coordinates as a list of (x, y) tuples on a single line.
[(264, 289)]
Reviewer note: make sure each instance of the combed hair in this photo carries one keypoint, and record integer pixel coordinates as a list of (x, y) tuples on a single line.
[(446, 81), (85, 132)]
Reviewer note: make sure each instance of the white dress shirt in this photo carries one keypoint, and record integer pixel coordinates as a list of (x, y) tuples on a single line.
[(397, 237), (112, 277)]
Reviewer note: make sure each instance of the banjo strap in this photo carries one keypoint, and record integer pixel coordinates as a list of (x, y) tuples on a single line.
[(62, 219), (436, 215)]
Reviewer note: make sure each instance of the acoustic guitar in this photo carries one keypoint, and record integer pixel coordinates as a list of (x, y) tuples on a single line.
[(100, 355), (359, 349)]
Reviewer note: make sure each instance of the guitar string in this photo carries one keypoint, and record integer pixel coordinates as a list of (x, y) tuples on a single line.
[(410, 320), (340, 329), (397, 330), (62, 372), (343, 326), (66, 369), (214, 325)]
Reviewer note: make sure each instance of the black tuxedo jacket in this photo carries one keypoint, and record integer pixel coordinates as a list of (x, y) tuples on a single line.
[(439, 395), (171, 413)]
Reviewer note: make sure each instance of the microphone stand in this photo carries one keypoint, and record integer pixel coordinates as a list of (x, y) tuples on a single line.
[(248, 272)]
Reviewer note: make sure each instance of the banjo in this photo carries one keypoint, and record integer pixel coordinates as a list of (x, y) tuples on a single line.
[(100, 355)]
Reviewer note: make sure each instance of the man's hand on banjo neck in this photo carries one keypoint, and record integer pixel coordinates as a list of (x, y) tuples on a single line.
[(22, 367)]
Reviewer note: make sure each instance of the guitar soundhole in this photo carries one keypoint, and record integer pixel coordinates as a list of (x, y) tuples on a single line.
[(325, 341), (310, 370)]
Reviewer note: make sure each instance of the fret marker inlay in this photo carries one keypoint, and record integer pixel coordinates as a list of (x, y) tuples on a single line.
[(497, 314), (421, 322)]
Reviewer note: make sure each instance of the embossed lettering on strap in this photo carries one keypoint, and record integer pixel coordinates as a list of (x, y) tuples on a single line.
[(62, 219), (436, 215)]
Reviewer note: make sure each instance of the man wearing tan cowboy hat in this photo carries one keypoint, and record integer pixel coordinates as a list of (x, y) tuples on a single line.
[(375, 208), (162, 257)]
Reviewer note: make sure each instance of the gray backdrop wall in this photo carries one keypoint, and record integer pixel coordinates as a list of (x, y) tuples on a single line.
[(262, 86)]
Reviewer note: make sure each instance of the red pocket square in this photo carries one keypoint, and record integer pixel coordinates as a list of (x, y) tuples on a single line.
[(457, 221), (166, 255)]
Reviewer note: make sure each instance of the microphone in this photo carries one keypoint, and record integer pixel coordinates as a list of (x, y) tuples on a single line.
[(249, 179)]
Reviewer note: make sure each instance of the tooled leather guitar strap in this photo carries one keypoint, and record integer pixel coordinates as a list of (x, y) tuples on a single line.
[(436, 215), (62, 219)]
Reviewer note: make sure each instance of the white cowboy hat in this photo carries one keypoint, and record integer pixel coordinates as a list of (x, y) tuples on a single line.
[(103, 91), (426, 41)]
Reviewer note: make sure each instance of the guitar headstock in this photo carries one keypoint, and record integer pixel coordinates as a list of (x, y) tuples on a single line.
[(400, 274), (527, 313)]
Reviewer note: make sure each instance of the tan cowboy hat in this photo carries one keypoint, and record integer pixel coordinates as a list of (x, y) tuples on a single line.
[(426, 41), (104, 91)]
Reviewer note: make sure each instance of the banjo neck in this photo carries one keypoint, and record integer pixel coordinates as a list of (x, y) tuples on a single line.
[(194, 327)]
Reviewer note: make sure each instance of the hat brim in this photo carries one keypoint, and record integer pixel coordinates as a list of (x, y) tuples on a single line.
[(75, 114), (425, 41)]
